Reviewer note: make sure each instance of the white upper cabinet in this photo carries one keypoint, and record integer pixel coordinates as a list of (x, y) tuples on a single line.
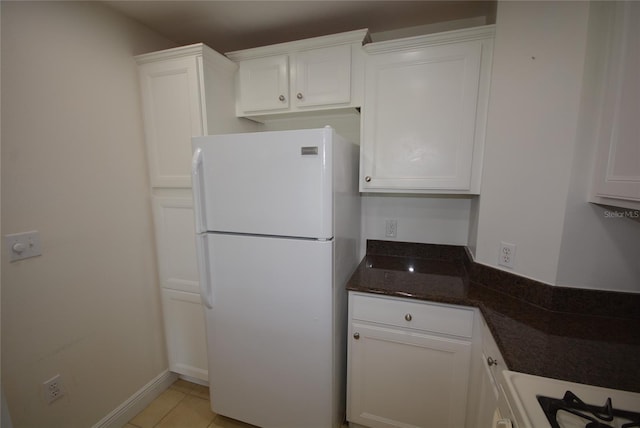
[(617, 167), (173, 114), (264, 84), (424, 113), (323, 76), (307, 75), (186, 92)]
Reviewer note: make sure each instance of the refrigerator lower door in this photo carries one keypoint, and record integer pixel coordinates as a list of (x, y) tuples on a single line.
[(269, 330)]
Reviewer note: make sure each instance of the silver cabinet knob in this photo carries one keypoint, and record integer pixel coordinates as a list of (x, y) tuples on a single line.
[(281, 98), (492, 362), (367, 179), (356, 335), (408, 317), (299, 96)]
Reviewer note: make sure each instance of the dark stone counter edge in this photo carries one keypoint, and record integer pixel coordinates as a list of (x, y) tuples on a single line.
[(551, 298)]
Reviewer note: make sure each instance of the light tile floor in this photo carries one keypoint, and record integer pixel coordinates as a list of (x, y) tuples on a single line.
[(183, 405)]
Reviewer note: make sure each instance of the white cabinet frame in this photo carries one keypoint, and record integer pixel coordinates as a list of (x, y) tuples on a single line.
[(425, 112)]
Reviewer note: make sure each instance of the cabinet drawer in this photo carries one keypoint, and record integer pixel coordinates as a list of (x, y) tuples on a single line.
[(430, 317)]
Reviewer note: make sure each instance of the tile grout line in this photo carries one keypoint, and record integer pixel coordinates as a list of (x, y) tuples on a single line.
[(172, 408)]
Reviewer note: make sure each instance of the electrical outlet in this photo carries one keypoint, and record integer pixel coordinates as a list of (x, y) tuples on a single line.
[(507, 256), (53, 388), (391, 228)]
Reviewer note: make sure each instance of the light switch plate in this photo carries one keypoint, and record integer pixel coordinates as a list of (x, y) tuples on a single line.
[(23, 245)]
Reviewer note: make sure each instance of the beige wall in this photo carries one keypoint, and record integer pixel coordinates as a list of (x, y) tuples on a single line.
[(73, 168)]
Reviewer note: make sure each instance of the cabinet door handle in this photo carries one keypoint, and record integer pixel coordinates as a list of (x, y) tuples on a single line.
[(408, 317), (491, 362), (299, 96), (367, 179), (356, 335), (281, 98)]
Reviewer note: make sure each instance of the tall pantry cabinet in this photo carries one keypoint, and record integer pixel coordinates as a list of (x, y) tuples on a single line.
[(186, 91)]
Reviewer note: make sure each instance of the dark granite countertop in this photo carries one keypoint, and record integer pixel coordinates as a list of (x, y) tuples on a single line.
[(583, 336)]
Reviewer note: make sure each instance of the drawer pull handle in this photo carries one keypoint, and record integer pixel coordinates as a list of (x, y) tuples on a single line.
[(356, 335), (492, 362), (281, 98), (408, 317), (299, 96), (367, 179)]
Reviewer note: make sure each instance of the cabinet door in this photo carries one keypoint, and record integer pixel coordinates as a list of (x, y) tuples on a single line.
[(323, 76), (618, 157), (171, 100), (185, 333), (419, 118), (399, 378), (264, 84), (175, 242), (488, 398)]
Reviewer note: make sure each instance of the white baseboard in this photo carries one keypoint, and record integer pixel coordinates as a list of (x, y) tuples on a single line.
[(138, 401), (194, 380)]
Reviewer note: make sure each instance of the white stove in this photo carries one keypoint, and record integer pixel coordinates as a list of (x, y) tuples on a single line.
[(523, 391)]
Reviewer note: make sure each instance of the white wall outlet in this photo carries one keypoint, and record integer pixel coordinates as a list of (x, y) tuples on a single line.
[(23, 245), (507, 256), (53, 388), (391, 228)]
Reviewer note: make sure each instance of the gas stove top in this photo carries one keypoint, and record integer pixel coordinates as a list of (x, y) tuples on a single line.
[(542, 402), (571, 407)]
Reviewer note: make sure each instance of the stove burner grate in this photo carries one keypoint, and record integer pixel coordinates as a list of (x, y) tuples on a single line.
[(594, 416)]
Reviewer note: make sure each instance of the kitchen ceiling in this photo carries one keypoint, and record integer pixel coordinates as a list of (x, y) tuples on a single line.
[(232, 25)]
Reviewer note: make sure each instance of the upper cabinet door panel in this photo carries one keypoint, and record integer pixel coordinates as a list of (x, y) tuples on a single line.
[(264, 83), (320, 73), (173, 114), (618, 162), (323, 76), (420, 117)]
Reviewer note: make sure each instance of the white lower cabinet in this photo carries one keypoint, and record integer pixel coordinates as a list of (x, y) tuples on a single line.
[(182, 309), (175, 240), (403, 371), (185, 333), (490, 408), (488, 395)]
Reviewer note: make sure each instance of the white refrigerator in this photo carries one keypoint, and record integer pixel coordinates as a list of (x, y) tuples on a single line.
[(277, 219)]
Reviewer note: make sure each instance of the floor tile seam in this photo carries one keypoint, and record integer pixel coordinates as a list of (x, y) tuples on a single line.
[(189, 390), (171, 409), (194, 394)]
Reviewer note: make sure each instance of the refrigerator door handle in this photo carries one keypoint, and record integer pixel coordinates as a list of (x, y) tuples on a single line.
[(197, 178), (202, 252)]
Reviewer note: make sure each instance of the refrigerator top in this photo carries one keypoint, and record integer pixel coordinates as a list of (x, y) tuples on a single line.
[(276, 183)]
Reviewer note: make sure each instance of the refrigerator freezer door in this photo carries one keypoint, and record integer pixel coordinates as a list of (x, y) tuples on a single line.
[(269, 330), (267, 183)]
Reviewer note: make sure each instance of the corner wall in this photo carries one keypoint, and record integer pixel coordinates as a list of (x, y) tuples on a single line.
[(73, 168), (539, 55), (545, 95), (598, 250)]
